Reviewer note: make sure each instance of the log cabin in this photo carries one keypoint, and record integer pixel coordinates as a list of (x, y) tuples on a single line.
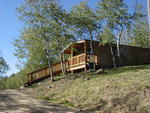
[(80, 59)]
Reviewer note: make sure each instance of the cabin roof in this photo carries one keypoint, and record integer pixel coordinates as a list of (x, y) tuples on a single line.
[(67, 49)]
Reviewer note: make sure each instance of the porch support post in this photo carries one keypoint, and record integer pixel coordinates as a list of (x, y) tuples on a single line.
[(71, 58), (28, 79), (85, 48)]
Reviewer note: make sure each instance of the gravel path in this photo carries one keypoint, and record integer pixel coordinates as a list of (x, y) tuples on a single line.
[(12, 101)]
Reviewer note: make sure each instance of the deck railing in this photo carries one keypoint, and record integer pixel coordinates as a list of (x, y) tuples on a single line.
[(77, 60), (80, 61)]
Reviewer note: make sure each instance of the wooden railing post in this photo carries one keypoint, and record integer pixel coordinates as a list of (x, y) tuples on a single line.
[(85, 55), (78, 59), (71, 58), (28, 78)]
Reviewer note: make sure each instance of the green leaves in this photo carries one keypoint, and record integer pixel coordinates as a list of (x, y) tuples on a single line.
[(48, 27), (3, 66), (83, 19), (45, 30), (106, 36), (29, 49), (140, 34), (114, 13)]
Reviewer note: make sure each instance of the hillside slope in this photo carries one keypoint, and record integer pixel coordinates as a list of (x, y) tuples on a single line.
[(125, 90)]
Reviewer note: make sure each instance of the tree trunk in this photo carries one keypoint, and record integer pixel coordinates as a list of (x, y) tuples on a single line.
[(49, 61), (113, 57), (50, 68), (118, 46), (47, 50), (92, 52), (64, 64), (80, 33), (63, 68)]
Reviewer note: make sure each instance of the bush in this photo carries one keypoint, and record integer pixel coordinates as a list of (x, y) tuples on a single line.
[(12, 82)]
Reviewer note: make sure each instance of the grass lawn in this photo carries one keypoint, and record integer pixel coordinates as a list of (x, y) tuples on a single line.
[(124, 90)]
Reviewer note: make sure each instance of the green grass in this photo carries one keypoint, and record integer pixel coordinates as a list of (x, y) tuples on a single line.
[(122, 90)]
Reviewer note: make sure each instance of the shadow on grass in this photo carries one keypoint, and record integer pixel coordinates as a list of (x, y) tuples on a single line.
[(72, 76), (127, 69), (107, 72), (111, 72)]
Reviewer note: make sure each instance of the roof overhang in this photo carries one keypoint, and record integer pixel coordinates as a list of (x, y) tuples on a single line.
[(77, 44), (67, 50)]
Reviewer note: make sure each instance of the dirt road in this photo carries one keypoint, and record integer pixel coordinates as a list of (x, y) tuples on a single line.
[(12, 101)]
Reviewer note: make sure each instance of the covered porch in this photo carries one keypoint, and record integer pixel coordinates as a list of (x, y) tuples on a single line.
[(79, 56)]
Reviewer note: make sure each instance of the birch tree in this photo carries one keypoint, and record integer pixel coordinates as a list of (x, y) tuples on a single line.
[(114, 13), (41, 15), (84, 19), (107, 37)]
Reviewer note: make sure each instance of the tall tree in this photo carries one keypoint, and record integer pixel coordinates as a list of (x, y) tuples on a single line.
[(62, 38), (40, 15), (3, 66), (139, 34), (107, 37), (78, 15), (115, 14), (46, 32), (29, 50), (84, 19)]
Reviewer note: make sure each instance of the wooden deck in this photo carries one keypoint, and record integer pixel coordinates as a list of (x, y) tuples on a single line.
[(81, 60), (74, 63), (43, 73)]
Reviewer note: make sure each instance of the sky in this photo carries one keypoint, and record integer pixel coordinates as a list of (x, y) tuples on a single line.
[(10, 26)]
